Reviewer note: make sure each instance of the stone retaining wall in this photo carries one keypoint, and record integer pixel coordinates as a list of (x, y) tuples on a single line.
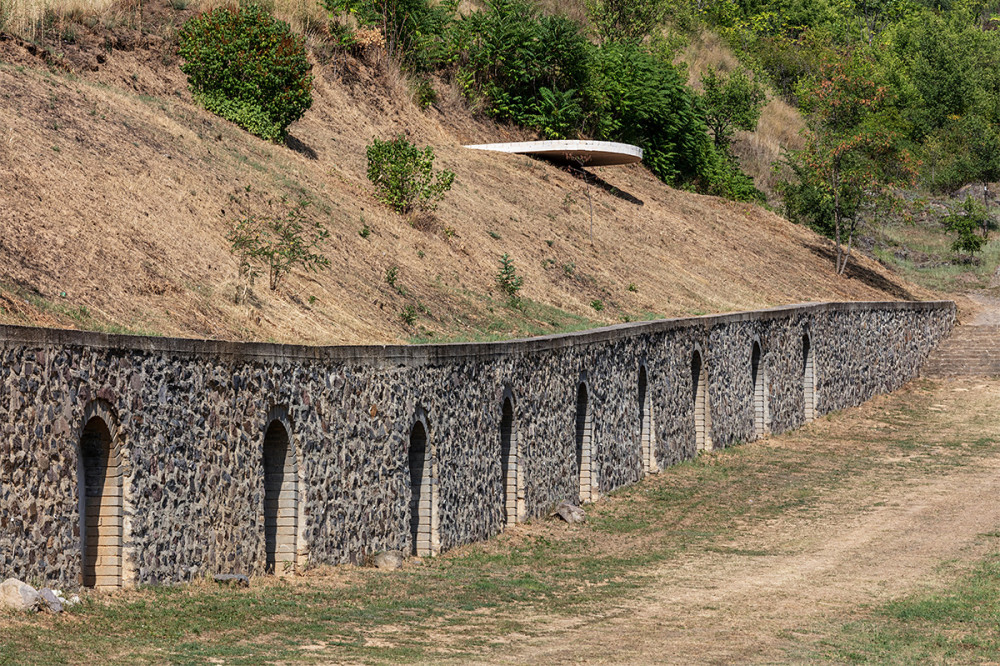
[(188, 422)]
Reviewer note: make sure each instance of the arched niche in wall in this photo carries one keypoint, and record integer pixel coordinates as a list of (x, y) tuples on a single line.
[(100, 478), (808, 378), (585, 445), (511, 465), (424, 532), (647, 431), (702, 407), (281, 496), (761, 400)]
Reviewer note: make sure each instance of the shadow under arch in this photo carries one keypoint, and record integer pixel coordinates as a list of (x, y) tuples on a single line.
[(425, 539), (647, 430), (101, 488), (281, 495), (702, 405), (585, 443), (511, 465), (761, 400), (808, 377)]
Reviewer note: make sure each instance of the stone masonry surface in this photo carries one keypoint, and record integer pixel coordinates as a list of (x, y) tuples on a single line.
[(188, 420)]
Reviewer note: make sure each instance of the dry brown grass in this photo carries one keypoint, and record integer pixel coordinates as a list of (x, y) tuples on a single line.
[(122, 191), (25, 17)]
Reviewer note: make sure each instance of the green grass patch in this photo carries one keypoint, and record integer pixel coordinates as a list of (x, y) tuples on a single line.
[(960, 623)]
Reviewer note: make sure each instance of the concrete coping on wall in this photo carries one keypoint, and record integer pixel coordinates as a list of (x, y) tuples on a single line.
[(428, 354)]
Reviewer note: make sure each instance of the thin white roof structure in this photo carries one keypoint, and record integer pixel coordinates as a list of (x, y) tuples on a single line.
[(585, 153)]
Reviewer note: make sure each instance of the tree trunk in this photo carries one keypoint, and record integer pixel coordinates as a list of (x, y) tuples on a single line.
[(850, 240), (836, 215)]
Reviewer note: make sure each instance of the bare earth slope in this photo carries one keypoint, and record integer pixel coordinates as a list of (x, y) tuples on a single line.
[(116, 194)]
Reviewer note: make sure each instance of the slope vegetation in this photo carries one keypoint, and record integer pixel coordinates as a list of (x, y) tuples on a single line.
[(117, 192)]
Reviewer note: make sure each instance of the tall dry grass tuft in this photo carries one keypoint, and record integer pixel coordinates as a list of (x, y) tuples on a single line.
[(704, 50), (25, 18), (306, 17)]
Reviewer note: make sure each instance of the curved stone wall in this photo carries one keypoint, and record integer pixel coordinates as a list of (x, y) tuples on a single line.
[(189, 418)]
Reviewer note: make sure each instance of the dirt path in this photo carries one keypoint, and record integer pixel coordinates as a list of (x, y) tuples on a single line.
[(869, 543)]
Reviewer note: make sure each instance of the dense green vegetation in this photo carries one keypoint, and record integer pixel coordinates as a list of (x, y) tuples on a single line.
[(545, 72), (928, 72), (247, 67)]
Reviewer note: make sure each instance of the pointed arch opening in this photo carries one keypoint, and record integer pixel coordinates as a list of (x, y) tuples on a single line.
[(511, 481), (281, 500), (101, 506), (584, 444), (702, 409), (808, 378), (758, 378), (423, 502), (647, 437)]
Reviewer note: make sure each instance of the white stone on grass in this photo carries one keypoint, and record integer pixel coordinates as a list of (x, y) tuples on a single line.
[(19, 595)]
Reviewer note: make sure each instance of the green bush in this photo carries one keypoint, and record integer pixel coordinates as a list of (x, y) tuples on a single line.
[(404, 176), (964, 221), (508, 280), (640, 98), (518, 65), (246, 66)]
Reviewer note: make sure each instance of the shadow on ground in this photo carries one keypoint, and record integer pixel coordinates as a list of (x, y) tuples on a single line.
[(857, 272)]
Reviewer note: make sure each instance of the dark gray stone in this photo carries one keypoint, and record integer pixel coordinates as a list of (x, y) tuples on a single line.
[(50, 601), (232, 580)]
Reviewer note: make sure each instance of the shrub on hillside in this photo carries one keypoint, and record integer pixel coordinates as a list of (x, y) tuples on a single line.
[(518, 65), (404, 175), (964, 221), (248, 67), (640, 98)]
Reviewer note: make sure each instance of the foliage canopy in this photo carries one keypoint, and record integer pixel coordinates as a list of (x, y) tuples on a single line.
[(248, 67)]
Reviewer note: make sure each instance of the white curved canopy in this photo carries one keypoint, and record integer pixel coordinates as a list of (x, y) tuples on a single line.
[(584, 153)]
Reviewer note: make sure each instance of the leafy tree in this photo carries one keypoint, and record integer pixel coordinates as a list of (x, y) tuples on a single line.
[(848, 162), (248, 67), (964, 221), (981, 163), (731, 103)]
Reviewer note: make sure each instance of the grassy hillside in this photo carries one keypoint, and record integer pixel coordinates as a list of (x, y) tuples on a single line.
[(116, 194)]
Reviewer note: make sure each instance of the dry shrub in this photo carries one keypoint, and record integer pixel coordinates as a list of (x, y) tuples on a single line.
[(704, 50), (780, 129), (780, 125)]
